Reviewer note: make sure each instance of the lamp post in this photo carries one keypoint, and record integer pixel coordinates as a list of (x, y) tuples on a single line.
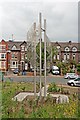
[(45, 58), (35, 60), (40, 51)]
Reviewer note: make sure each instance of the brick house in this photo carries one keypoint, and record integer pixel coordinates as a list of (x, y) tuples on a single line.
[(23, 56), (3, 56), (67, 51), (17, 55), (14, 54)]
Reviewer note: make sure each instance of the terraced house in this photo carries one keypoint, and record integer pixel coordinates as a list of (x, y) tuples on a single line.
[(67, 51), (15, 54), (3, 56)]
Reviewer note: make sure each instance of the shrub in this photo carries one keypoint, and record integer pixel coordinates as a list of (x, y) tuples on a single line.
[(53, 88), (78, 68)]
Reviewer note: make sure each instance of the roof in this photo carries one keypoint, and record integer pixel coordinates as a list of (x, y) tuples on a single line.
[(11, 44), (65, 44)]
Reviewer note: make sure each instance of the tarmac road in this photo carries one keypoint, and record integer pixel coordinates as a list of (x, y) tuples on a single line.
[(56, 79)]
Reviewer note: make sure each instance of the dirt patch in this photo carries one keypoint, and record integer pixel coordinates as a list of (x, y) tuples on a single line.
[(69, 88)]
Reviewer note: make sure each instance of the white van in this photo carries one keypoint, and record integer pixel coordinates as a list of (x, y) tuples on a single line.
[(55, 70)]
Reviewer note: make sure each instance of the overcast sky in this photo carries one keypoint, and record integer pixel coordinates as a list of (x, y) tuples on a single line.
[(17, 17)]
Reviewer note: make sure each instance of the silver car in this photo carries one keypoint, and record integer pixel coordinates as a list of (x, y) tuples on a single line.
[(70, 76), (75, 82)]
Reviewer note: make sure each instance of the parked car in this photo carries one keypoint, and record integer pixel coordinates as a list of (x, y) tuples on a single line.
[(55, 70), (70, 76), (75, 82), (23, 72), (16, 71)]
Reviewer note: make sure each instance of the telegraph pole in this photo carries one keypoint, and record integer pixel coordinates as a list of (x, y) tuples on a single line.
[(40, 49), (45, 93), (35, 60)]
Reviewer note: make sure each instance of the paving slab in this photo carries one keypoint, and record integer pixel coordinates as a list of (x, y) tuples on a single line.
[(21, 96), (59, 97)]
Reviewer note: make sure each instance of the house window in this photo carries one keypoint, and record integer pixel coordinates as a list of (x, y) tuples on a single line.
[(58, 48), (3, 65), (22, 56), (22, 48), (13, 56), (74, 56), (68, 56), (14, 64), (64, 56), (67, 49), (2, 47), (3, 55), (74, 49), (14, 47), (25, 49), (54, 57), (58, 57)]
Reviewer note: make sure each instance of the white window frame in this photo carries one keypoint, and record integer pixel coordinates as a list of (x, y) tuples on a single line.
[(4, 65), (14, 47), (67, 49), (58, 57), (1, 49), (22, 56), (4, 54), (54, 57), (64, 56), (22, 48), (74, 49), (14, 66), (68, 56), (73, 55)]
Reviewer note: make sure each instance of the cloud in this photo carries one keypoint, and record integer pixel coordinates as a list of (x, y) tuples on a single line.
[(62, 19)]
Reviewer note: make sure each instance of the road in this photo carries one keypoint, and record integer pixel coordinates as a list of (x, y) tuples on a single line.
[(56, 79)]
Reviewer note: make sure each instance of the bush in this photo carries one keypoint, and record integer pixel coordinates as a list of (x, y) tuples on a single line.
[(53, 88), (78, 68)]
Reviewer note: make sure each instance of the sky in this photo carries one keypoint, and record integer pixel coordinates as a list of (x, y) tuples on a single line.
[(17, 17)]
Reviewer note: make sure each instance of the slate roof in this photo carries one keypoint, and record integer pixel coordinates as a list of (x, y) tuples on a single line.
[(65, 44), (61, 44), (11, 44)]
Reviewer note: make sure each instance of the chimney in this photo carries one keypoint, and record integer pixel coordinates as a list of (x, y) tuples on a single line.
[(69, 42)]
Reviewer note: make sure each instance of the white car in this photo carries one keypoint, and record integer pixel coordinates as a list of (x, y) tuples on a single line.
[(70, 76), (75, 82), (55, 70)]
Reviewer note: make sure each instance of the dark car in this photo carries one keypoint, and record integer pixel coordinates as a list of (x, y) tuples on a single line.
[(23, 72), (16, 71)]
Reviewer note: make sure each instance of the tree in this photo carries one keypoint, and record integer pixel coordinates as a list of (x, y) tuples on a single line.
[(78, 68), (42, 53), (54, 51)]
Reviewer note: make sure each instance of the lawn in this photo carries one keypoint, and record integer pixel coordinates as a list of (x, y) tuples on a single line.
[(30, 108)]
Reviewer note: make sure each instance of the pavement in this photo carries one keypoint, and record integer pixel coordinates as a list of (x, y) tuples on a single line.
[(15, 75)]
